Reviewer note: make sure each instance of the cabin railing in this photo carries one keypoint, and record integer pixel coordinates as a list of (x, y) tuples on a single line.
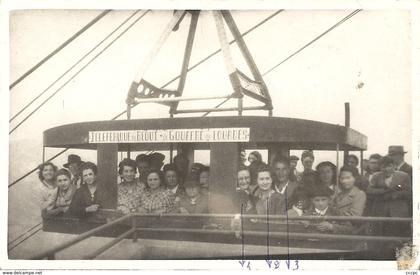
[(235, 231)]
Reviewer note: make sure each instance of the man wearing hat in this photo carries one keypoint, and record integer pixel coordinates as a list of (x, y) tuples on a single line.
[(391, 193), (294, 174), (74, 163), (194, 202), (396, 152)]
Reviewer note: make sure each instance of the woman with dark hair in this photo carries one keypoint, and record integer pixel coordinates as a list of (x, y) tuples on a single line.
[(350, 201), (156, 198), (268, 201), (327, 175), (130, 188), (254, 156), (64, 195), (89, 197), (46, 190)]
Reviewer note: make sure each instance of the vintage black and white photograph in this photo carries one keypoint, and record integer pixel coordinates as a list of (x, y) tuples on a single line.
[(211, 134)]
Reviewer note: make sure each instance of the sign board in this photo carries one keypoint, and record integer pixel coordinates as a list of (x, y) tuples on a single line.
[(171, 135)]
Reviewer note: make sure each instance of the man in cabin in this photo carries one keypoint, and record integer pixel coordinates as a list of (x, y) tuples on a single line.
[(391, 193), (294, 174), (143, 164), (396, 152), (309, 175), (283, 184), (373, 166), (74, 162)]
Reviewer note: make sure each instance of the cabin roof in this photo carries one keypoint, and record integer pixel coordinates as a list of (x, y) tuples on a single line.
[(295, 133)]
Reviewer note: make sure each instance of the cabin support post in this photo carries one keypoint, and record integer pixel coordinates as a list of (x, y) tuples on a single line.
[(187, 149), (337, 165), (347, 125), (224, 162), (361, 162), (107, 172), (134, 226)]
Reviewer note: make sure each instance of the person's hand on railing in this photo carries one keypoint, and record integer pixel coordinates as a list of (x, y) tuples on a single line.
[(92, 208), (182, 210), (325, 226)]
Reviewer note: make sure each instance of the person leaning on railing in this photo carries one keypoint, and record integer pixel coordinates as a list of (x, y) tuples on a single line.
[(45, 190), (90, 196), (65, 192)]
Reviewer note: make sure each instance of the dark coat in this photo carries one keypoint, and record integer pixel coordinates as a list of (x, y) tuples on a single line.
[(275, 205), (244, 202), (393, 200), (200, 206), (290, 189), (82, 199), (406, 168)]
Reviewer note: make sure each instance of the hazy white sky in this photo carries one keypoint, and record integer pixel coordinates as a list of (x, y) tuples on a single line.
[(373, 47)]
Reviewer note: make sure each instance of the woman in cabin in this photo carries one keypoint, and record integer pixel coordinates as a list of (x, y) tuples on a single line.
[(89, 197), (254, 156), (64, 195), (244, 200), (46, 190), (130, 188), (350, 201), (156, 198), (268, 201), (327, 175)]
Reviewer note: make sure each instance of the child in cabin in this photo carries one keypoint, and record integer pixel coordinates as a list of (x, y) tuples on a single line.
[(321, 198)]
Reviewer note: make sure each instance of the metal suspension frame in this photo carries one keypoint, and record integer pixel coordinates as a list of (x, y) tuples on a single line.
[(171, 98)]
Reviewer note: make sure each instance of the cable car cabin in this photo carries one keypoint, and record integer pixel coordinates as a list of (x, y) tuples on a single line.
[(225, 137)]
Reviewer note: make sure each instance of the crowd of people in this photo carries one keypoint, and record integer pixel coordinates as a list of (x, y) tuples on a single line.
[(147, 185)]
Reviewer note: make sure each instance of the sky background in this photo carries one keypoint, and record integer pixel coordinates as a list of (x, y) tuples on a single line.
[(372, 47)]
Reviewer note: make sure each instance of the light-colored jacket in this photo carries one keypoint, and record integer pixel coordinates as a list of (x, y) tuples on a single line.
[(350, 203)]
